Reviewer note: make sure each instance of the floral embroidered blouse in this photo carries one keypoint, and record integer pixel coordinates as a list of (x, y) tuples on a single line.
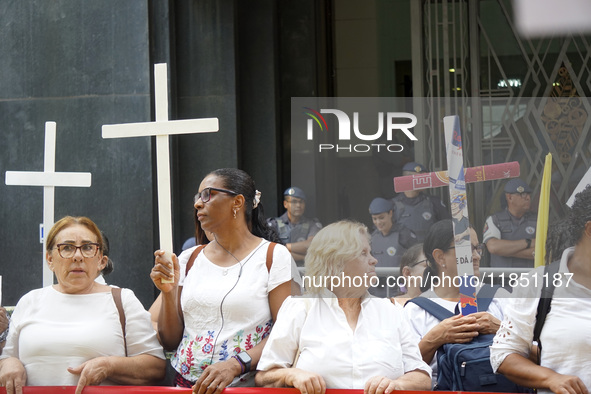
[(226, 309)]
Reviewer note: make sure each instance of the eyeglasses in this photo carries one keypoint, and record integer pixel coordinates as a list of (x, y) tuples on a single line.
[(475, 248), (417, 263), (68, 251), (205, 194), (478, 248)]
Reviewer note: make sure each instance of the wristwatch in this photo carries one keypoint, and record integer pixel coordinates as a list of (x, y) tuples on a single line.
[(245, 360), (528, 241)]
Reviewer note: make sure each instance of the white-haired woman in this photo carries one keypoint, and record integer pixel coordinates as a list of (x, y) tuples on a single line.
[(337, 335)]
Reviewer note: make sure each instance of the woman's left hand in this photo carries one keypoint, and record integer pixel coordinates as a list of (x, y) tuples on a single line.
[(488, 324), (381, 384), (92, 372), (217, 376)]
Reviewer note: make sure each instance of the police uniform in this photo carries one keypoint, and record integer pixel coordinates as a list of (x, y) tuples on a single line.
[(388, 249), (503, 225), (298, 232), (290, 233), (420, 213)]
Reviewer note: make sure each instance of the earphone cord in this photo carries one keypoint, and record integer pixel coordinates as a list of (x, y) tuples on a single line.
[(224, 298), (227, 251)]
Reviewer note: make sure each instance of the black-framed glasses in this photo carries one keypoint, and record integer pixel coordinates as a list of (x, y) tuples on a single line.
[(478, 249), (68, 251), (205, 194), (475, 248), (417, 263)]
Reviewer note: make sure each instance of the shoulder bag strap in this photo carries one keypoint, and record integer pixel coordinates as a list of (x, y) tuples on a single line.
[(116, 292), (545, 301), (485, 296), (190, 263), (270, 249), (432, 307), (197, 250)]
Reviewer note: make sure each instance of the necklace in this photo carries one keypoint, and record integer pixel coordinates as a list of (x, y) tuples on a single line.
[(225, 271)]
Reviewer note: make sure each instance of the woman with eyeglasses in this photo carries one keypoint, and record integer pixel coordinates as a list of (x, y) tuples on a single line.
[(72, 333), (439, 249), (217, 316), (412, 265)]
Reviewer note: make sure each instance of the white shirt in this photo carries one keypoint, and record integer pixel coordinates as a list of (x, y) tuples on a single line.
[(422, 321), (317, 327), (566, 335), (51, 331), (226, 309)]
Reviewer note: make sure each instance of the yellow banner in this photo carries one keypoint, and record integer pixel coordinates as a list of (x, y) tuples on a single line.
[(543, 214)]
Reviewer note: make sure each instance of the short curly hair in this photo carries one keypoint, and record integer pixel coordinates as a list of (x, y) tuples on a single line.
[(331, 248), (580, 214)]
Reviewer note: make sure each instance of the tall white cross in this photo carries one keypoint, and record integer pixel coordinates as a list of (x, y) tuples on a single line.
[(162, 128), (49, 179)]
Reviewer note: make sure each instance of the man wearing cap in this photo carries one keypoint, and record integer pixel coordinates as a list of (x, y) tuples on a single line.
[(416, 210), (510, 234), (295, 230), (389, 241)]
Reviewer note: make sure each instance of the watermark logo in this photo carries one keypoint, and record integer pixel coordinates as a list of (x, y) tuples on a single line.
[(315, 115), (389, 123)]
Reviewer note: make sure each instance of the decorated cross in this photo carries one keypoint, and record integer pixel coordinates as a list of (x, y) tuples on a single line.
[(162, 128), (456, 178), (49, 179)]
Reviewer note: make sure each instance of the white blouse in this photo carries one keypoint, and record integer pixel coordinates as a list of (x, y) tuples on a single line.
[(226, 309), (422, 321), (51, 331), (566, 335), (317, 328)]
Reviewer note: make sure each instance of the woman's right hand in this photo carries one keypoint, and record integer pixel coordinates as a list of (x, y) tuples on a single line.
[(13, 375), (167, 270), (456, 329), (305, 381)]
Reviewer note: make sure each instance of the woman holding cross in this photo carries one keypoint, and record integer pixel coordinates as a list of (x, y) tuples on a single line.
[(218, 313)]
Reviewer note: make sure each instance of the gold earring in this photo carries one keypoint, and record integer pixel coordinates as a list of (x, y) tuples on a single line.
[(234, 214)]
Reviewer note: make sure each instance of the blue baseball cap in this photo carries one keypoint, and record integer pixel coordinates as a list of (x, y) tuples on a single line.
[(379, 205), (413, 166), (517, 185), (296, 192)]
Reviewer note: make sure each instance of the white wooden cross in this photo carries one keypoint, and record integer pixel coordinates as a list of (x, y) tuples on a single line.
[(49, 179), (162, 128)]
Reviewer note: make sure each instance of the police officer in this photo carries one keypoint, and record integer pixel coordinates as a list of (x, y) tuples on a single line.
[(295, 230), (510, 234), (416, 210), (388, 241)]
